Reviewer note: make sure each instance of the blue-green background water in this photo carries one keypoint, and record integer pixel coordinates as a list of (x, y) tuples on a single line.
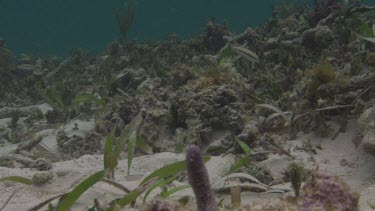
[(53, 27), (56, 26)]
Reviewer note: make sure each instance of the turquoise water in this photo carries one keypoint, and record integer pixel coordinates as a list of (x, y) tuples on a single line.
[(53, 27)]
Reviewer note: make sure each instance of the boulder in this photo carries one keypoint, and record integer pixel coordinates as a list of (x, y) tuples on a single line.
[(367, 120)]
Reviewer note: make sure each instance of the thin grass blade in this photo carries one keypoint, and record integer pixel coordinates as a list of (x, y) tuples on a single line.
[(169, 170), (161, 182), (8, 200), (245, 160), (18, 179), (174, 190), (143, 145), (44, 203), (132, 196), (125, 134), (242, 176), (72, 196), (275, 109), (244, 147)]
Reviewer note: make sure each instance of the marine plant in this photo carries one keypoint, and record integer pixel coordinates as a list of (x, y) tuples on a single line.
[(65, 102), (125, 18), (295, 173), (245, 160), (55, 98), (291, 118), (320, 74), (323, 73), (159, 178), (352, 17)]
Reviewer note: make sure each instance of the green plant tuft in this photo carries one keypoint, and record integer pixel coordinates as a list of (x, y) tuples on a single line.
[(245, 160), (323, 73), (295, 172)]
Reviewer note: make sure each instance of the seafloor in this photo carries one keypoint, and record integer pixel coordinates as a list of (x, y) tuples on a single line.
[(298, 91)]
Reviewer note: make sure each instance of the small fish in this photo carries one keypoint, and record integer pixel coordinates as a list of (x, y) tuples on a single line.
[(245, 53)]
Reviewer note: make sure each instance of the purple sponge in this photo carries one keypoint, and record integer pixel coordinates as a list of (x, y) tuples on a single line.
[(198, 179), (325, 192)]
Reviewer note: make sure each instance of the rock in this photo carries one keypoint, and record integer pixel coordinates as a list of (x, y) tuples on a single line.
[(56, 116), (368, 141), (78, 142), (249, 134), (368, 116), (220, 146), (62, 172), (272, 42), (275, 166), (318, 38), (367, 119), (42, 164), (42, 177), (7, 112), (180, 75)]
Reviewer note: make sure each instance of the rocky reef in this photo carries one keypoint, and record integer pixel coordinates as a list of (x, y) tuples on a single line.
[(297, 88)]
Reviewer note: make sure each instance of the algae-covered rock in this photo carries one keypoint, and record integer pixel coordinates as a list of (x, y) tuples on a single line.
[(318, 38), (206, 111), (42, 177), (77, 139)]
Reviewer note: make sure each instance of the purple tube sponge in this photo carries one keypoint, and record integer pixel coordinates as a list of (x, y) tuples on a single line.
[(198, 179), (326, 192)]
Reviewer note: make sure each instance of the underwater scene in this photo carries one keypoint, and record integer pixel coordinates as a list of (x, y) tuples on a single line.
[(200, 105)]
